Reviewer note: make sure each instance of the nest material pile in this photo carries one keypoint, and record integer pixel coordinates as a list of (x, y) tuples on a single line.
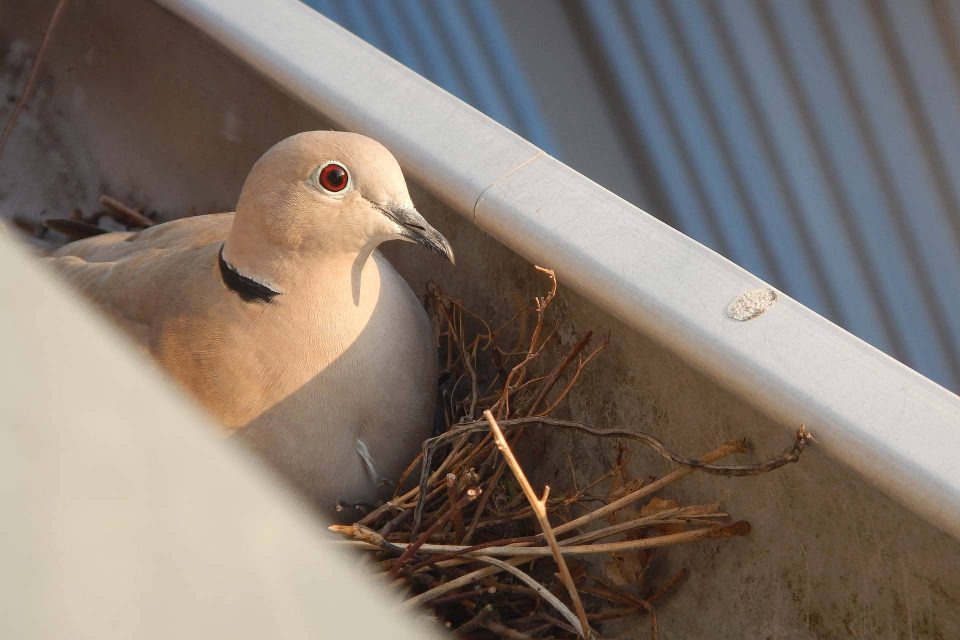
[(473, 541)]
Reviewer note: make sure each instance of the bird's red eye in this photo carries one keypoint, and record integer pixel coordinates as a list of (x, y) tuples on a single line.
[(334, 177)]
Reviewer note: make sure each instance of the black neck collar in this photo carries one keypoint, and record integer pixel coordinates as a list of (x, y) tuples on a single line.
[(248, 289)]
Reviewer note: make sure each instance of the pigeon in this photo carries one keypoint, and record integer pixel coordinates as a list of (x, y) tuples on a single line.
[(283, 319)]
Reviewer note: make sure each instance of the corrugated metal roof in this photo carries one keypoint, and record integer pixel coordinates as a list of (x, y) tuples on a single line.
[(816, 144), (460, 46)]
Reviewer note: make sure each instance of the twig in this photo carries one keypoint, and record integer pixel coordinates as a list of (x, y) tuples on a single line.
[(739, 528), (463, 595), (540, 590), (476, 622), (391, 525), (560, 624), (402, 481), (503, 631), (576, 375), (484, 499), (34, 72), (791, 455), (726, 449), (558, 371), (412, 548), (540, 510), (668, 586), (426, 478), (456, 514), (422, 491), (467, 356), (634, 603), (679, 514), (367, 536), (129, 217), (462, 581), (477, 547), (73, 229)]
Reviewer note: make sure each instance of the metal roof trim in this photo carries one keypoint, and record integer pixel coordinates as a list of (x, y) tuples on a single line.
[(896, 428)]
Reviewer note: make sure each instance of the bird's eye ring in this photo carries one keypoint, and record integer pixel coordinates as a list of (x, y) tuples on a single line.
[(332, 177)]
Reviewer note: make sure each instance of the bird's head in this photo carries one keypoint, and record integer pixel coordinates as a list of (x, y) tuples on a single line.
[(333, 192)]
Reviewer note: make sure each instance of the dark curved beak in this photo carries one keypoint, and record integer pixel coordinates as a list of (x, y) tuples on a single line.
[(415, 229)]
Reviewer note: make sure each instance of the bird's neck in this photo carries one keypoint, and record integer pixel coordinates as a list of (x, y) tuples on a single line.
[(284, 271)]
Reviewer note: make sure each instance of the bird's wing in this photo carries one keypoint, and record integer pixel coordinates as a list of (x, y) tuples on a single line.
[(177, 235), (141, 277)]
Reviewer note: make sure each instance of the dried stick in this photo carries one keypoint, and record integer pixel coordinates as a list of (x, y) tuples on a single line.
[(130, 217), (581, 365), (678, 514), (476, 622), (426, 478), (503, 631), (540, 590), (558, 371), (34, 72), (726, 449), (665, 588), (453, 555), (406, 474), (392, 524), (739, 528), (74, 229), (367, 536), (560, 624), (432, 529), (462, 581), (421, 491), (463, 595), (540, 510), (791, 455), (465, 356), (456, 515), (484, 499)]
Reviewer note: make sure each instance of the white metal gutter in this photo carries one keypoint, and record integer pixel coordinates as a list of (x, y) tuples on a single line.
[(893, 426)]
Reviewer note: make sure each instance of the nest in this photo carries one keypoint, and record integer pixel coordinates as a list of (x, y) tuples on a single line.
[(474, 542)]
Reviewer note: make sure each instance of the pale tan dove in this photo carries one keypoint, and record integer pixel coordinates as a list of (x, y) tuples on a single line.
[(282, 318)]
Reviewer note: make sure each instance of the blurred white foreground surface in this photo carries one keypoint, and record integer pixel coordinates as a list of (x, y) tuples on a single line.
[(125, 516)]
